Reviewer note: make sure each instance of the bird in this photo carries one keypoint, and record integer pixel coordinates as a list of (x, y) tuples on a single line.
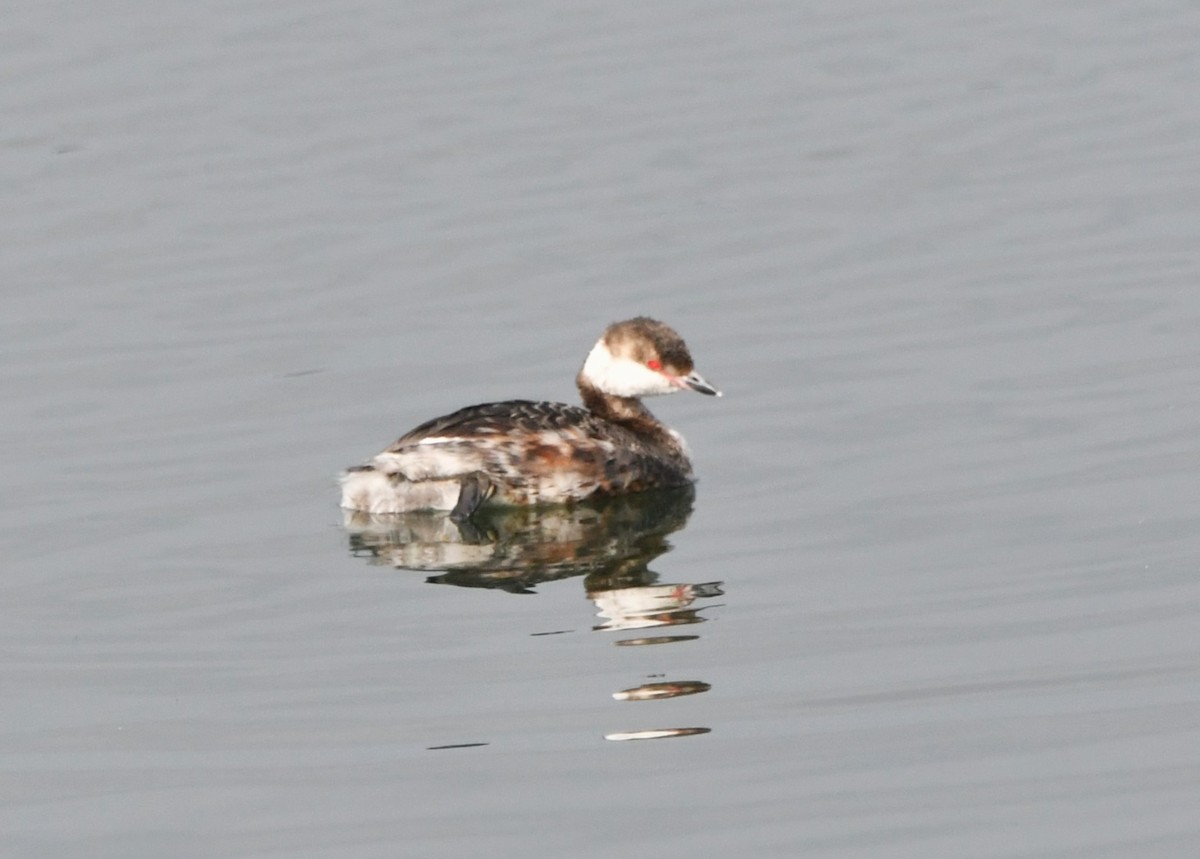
[(523, 452)]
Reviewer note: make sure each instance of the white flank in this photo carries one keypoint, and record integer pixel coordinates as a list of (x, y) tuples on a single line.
[(373, 492), (431, 459)]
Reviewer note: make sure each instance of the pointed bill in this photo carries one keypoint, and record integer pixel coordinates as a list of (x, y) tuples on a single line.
[(696, 382)]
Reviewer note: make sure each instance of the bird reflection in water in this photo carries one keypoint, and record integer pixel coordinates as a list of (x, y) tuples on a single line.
[(609, 542)]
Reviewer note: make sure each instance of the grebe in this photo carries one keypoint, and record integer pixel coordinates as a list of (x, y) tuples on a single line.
[(523, 452)]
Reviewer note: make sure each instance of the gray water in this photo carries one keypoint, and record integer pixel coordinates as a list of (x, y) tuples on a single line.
[(941, 257)]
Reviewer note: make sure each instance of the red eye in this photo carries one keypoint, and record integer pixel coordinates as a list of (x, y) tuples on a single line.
[(654, 364)]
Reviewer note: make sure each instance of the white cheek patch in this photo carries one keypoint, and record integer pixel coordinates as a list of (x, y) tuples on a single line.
[(622, 377)]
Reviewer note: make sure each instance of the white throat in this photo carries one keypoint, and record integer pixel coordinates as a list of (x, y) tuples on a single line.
[(622, 377)]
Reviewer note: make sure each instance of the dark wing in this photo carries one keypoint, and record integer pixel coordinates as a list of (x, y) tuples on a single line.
[(494, 419)]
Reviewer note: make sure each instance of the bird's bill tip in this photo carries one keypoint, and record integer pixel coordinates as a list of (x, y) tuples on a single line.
[(697, 383)]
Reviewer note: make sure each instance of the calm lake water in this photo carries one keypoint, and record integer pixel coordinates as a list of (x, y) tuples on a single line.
[(936, 593)]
